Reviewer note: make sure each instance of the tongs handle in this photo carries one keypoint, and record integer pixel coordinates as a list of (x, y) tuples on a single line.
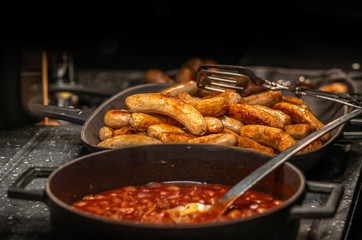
[(216, 77), (352, 100)]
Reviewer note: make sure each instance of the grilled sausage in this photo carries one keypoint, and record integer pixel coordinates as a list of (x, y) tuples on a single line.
[(230, 96), (157, 76), (189, 87), (282, 117), (141, 121), (128, 140), (269, 136), (248, 143), (294, 100), (219, 139), (186, 97), (176, 137), (105, 133), (185, 74), (231, 123), (125, 130), (299, 131), (193, 63), (169, 106), (117, 118), (212, 107), (245, 142), (335, 87), (155, 130), (301, 115), (249, 114), (214, 125), (268, 98), (313, 145)]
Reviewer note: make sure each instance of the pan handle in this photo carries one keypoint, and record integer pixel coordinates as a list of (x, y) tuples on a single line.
[(329, 209), (352, 135), (17, 190), (73, 115), (66, 87)]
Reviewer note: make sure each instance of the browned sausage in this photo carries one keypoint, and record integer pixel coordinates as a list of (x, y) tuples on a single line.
[(214, 125), (282, 117), (169, 106), (157, 76), (141, 121), (231, 124), (219, 139), (189, 87), (155, 130), (299, 131), (230, 96), (269, 136), (128, 140), (294, 100), (125, 130), (176, 137), (193, 63), (185, 74), (313, 145), (105, 133), (212, 107), (301, 115), (186, 97), (250, 114), (268, 98), (335, 87), (248, 143), (117, 118)]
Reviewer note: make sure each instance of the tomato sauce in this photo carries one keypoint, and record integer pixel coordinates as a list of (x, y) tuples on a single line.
[(147, 203)]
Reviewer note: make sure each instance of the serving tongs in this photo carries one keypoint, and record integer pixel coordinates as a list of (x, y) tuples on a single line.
[(221, 77), (188, 213)]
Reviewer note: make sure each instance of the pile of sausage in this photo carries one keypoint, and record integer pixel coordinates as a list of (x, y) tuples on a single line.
[(267, 122)]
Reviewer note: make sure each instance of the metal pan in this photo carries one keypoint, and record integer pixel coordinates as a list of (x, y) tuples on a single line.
[(111, 169), (324, 110)]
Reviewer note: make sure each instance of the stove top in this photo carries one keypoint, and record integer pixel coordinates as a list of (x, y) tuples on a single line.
[(52, 146)]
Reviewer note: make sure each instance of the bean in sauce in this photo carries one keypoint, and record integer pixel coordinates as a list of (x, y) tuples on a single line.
[(147, 203)]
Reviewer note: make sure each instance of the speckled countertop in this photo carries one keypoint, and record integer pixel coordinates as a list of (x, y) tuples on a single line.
[(20, 149)]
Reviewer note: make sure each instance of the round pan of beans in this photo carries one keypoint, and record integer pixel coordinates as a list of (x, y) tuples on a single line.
[(124, 194)]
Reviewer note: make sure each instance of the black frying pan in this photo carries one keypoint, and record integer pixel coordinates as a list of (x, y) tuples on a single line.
[(324, 110), (111, 169)]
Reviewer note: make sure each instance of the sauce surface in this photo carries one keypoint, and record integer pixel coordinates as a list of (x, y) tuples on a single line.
[(148, 203)]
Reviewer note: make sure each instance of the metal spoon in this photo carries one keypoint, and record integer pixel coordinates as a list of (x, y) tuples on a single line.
[(181, 214)]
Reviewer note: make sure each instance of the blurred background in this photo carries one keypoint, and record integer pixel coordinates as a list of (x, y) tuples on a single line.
[(108, 46)]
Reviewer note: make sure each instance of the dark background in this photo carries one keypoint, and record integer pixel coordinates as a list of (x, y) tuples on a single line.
[(156, 34)]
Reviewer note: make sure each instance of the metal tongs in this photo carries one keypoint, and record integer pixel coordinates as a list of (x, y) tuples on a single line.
[(221, 77)]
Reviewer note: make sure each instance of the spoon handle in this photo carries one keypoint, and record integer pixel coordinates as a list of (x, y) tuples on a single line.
[(248, 182)]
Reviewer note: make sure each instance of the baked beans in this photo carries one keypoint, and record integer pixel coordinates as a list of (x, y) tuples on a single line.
[(147, 203)]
